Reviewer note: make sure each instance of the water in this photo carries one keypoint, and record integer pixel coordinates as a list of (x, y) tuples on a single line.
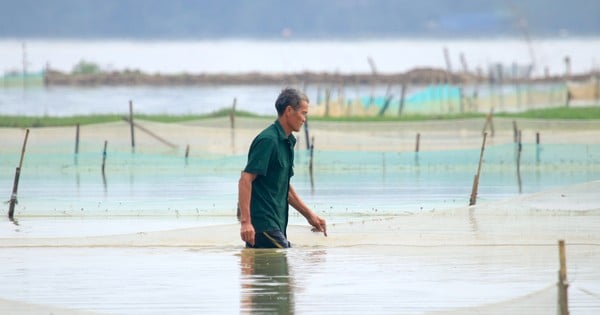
[(345, 183), (235, 56), (343, 56), (157, 235)]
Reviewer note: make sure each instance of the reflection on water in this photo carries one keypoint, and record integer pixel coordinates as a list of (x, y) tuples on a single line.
[(266, 282)]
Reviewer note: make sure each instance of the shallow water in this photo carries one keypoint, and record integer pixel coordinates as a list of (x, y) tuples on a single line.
[(344, 183), (158, 235), (355, 280)]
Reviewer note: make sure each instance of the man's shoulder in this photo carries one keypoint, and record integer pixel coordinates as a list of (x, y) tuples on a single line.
[(268, 133)]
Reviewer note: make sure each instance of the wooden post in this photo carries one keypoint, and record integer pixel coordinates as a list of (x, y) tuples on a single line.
[(131, 125), (489, 122), (448, 62), (187, 153), (104, 156), (310, 164), (306, 135), (537, 147), (77, 139), (327, 97), (232, 114), (402, 94), (152, 134), (519, 149), (473, 198), (232, 123), (417, 142), (13, 196), (563, 285)]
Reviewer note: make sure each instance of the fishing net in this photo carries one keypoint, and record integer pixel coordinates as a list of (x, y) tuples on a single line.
[(393, 214)]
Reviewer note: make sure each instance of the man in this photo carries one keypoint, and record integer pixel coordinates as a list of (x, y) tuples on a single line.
[(265, 192)]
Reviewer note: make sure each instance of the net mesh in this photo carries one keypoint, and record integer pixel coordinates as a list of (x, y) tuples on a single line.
[(396, 204)]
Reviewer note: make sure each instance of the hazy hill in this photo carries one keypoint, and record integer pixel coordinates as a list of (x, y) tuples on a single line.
[(295, 18)]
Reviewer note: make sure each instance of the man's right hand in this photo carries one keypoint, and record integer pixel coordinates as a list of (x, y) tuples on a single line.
[(247, 233)]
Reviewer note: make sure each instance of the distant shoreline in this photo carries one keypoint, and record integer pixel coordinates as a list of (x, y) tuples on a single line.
[(418, 76)]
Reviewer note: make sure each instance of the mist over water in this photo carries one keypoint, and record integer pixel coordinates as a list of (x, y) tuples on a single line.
[(341, 56)]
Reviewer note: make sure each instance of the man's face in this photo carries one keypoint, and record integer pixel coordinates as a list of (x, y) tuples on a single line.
[(296, 118)]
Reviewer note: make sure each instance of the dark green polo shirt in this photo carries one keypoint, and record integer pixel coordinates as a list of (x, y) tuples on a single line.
[(271, 157)]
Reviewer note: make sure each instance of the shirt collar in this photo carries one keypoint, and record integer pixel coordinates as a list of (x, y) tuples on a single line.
[(281, 133)]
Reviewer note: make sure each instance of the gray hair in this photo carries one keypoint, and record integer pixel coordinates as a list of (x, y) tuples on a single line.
[(289, 97)]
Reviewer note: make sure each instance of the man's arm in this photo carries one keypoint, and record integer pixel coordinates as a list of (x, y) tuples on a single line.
[(244, 192), (314, 220)]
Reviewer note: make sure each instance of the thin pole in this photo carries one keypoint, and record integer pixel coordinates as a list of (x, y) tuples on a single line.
[(402, 94), (519, 149), (232, 114), (489, 122), (187, 153), (563, 284), (131, 125), (232, 123), (473, 198), (310, 164), (13, 196), (537, 147), (155, 136), (418, 142), (77, 139), (104, 156), (307, 135)]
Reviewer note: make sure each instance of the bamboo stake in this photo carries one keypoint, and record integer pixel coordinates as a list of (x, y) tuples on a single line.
[(232, 124), (13, 196), (232, 113), (76, 143), (310, 164), (417, 142), (103, 164), (489, 122), (519, 149), (104, 156), (402, 94), (155, 136), (537, 147), (77, 139), (306, 135), (473, 198), (327, 99), (563, 285), (131, 123)]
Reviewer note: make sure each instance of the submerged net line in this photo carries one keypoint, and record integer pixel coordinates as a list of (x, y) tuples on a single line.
[(500, 157), (570, 213), (543, 301), (164, 184)]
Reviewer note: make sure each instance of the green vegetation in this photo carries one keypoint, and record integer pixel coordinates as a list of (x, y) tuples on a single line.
[(47, 121), (84, 67), (591, 112), (179, 118)]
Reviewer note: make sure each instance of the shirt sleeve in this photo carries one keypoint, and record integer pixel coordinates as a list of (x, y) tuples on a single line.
[(259, 155)]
